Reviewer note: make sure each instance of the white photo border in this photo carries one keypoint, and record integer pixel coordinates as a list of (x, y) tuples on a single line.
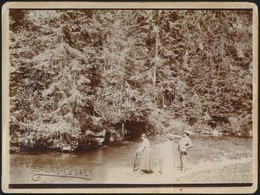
[(110, 188)]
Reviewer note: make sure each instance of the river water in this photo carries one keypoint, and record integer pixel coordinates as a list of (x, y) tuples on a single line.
[(92, 166)]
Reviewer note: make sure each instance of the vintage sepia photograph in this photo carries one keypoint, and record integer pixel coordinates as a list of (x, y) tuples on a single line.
[(129, 96)]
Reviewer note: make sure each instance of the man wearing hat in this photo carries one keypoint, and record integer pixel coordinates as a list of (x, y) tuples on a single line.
[(184, 144)]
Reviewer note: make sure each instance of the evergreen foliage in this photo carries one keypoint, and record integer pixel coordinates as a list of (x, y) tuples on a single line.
[(75, 71)]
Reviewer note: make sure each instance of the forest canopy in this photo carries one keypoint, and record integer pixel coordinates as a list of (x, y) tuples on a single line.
[(133, 71)]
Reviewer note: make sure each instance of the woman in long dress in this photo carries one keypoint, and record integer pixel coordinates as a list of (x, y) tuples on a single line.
[(145, 163), (166, 160)]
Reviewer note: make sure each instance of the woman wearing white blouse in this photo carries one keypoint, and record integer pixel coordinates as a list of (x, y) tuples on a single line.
[(145, 164)]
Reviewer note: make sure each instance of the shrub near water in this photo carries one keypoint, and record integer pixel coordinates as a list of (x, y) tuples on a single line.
[(43, 140), (44, 136)]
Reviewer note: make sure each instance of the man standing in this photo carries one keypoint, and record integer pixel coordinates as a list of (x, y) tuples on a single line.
[(184, 144)]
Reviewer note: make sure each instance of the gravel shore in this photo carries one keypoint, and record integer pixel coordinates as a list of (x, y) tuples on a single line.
[(225, 171)]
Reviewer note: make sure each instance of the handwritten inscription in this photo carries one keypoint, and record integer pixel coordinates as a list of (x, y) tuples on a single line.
[(54, 171)]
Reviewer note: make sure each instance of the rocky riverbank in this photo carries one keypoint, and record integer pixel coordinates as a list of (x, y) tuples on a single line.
[(225, 171)]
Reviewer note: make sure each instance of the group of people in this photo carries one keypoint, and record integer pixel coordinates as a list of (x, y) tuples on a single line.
[(166, 157)]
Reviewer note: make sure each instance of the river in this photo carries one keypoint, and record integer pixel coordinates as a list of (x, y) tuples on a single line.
[(94, 166)]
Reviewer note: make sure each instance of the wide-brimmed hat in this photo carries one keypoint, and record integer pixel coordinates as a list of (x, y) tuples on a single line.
[(188, 132), (170, 136)]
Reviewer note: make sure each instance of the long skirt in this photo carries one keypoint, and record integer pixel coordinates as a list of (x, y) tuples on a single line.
[(145, 163), (166, 164)]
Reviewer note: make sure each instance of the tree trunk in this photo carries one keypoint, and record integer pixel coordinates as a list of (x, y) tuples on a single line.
[(163, 100), (156, 57), (123, 130), (157, 40), (154, 75)]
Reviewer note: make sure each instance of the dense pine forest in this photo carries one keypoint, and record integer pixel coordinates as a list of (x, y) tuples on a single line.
[(75, 73)]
